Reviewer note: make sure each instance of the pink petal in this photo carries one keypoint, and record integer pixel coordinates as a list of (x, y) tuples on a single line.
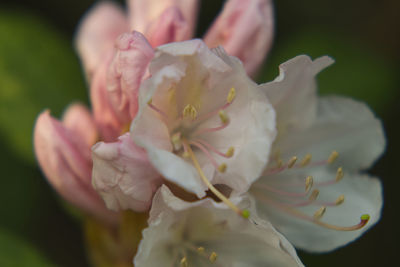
[(97, 32), (245, 29), (123, 175), (169, 27), (126, 72), (144, 12), (58, 151)]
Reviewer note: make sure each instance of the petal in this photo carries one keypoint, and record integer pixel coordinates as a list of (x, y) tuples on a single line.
[(169, 27), (123, 176), (363, 195), (78, 120), (97, 32), (127, 71), (58, 151), (245, 30), (144, 12), (344, 125), (293, 92)]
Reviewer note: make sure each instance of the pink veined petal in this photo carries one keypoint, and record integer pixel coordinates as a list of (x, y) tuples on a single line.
[(245, 30), (97, 32), (144, 12), (169, 27), (58, 151), (127, 71)]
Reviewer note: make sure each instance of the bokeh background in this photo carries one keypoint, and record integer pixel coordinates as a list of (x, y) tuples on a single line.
[(39, 69)]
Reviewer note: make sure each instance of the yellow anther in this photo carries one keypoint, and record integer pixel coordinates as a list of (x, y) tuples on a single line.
[(190, 111), (230, 152), (291, 162), (184, 262), (334, 155), (176, 138), (339, 174), (224, 118), (222, 167), (314, 195), (319, 213), (213, 257), (339, 200), (365, 217), (306, 160), (280, 163), (231, 95), (309, 183), (200, 249), (150, 101)]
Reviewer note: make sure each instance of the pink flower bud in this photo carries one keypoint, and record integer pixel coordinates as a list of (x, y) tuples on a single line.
[(97, 32), (123, 175), (60, 154), (245, 30), (142, 13), (127, 71)]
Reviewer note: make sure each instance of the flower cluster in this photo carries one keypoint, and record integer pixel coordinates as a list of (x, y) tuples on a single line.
[(179, 131)]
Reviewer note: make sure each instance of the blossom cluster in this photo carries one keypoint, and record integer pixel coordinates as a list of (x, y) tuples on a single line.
[(231, 173)]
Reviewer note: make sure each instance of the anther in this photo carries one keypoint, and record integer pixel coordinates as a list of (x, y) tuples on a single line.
[(224, 118), (200, 249), (309, 183), (339, 174), (222, 167), (176, 140), (314, 195), (184, 262), (230, 152), (150, 101), (280, 163), (231, 95), (306, 160), (213, 257), (334, 155), (291, 162), (190, 111), (319, 213), (339, 200)]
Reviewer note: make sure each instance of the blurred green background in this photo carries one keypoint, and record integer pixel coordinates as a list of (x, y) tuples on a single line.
[(39, 69)]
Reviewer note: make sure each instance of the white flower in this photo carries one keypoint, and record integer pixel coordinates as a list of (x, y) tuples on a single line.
[(202, 121), (205, 233), (311, 194)]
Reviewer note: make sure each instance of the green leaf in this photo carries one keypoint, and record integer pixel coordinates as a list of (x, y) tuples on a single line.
[(18, 253), (38, 70)]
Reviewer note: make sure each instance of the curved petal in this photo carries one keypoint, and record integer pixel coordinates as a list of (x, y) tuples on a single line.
[(97, 32), (126, 72), (344, 125), (58, 151), (245, 29), (123, 176), (144, 12), (363, 195), (293, 93)]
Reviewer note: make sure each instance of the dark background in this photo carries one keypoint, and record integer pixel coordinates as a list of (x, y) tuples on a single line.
[(39, 69)]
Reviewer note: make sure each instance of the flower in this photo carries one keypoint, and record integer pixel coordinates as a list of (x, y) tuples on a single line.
[(202, 121), (204, 232), (315, 203)]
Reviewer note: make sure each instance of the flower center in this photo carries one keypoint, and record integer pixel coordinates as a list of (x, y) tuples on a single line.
[(290, 198)]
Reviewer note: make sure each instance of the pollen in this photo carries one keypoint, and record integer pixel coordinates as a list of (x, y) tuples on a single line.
[(230, 152), (213, 257), (306, 160), (224, 118), (231, 95), (334, 155), (339, 174), (190, 111), (222, 168), (319, 213)]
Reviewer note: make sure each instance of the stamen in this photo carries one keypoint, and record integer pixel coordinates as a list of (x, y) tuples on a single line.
[(306, 160), (213, 257), (224, 118), (190, 111), (309, 183), (314, 195), (205, 151), (222, 167), (280, 164), (280, 192), (291, 162), (184, 262), (228, 154), (176, 141), (334, 155), (339, 174), (150, 104), (319, 213), (210, 130), (231, 95), (200, 249), (218, 194), (339, 200)]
